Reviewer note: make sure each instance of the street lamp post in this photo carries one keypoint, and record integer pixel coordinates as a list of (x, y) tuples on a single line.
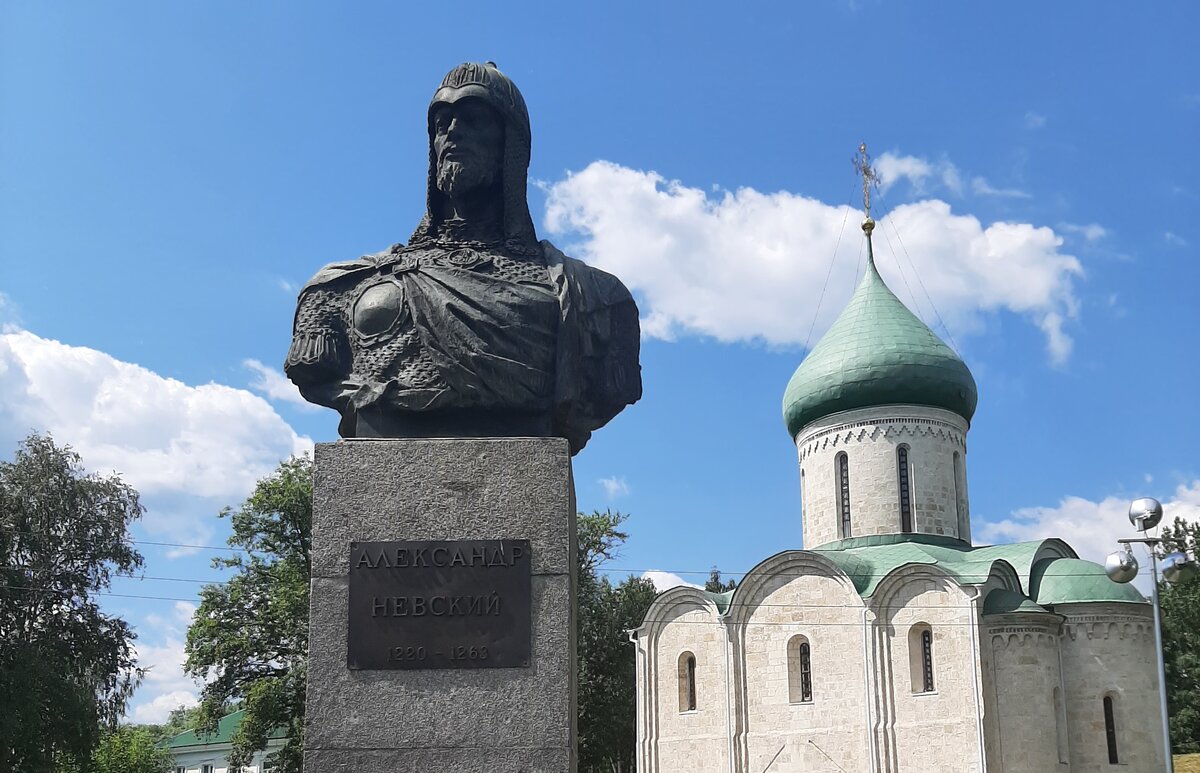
[(1122, 567)]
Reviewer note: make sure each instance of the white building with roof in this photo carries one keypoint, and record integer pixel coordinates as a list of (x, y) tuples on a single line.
[(209, 753), (890, 642)]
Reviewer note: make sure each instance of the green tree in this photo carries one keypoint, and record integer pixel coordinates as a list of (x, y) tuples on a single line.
[(607, 686), (130, 749), (716, 585), (249, 637), (180, 720), (1181, 642), (66, 668)]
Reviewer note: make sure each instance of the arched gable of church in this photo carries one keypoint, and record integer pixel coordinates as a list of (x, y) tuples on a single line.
[(684, 725), (928, 647), (797, 624)]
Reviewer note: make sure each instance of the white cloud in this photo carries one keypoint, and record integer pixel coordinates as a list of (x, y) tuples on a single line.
[(157, 711), (289, 287), (1091, 232), (1034, 120), (275, 386), (1092, 528), (666, 580), (893, 168), (925, 176), (919, 172), (186, 449), (614, 487), (982, 187), (10, 319), (1058, 343), (1174, 239), (747, 265), (165, 687)]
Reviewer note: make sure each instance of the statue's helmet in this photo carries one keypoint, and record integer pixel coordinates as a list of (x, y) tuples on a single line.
[(486, 83)]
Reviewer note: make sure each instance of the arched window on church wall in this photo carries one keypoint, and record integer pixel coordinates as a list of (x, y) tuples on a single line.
[(801, 493), (799, 656), (960, 504), (904, 485), (841, 465), (920, 657), (1110, 729), (687, 682)]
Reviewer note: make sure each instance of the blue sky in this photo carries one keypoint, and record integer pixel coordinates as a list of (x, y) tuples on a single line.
[(170, 174)]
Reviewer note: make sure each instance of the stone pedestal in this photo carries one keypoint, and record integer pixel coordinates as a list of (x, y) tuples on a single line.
[(483, 720)]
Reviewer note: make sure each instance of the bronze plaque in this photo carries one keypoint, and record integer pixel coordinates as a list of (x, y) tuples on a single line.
[(440, 604)]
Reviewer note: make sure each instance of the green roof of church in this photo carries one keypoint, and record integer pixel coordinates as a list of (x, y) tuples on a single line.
[(1046, 571), (1073, 580), (867, 560), (722, 600), (1001, 601), (877, 353)]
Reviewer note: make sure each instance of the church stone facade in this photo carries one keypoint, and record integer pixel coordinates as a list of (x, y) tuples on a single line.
[(891, 642)]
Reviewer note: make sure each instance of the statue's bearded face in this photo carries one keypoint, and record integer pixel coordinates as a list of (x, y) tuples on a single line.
[(468, 143)]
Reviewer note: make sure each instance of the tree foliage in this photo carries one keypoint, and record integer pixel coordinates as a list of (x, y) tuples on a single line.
[(66, 668), (130, 749), (249, 637), (716, 585), (607, 687), (1181, 642), (180, 720)]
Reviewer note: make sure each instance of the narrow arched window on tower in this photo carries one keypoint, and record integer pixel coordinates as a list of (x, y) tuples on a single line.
[(687, 682), (842, 464), (904, 477), (1110, 729), (960, 504), (802, 494)]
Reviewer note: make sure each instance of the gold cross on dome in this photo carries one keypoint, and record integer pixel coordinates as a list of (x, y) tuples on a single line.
[(862, 163)]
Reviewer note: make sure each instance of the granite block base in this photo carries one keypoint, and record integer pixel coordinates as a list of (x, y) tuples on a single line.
[(500, 720)]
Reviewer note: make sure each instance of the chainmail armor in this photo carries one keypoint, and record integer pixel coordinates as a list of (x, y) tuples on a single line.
[(402, 356)]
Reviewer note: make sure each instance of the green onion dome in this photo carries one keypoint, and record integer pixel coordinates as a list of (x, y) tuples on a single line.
[(877, 353)]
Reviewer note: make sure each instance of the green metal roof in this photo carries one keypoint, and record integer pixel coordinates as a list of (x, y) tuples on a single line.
[(226, 727), (1002, 601), (1072, 580), (722, 600), (877, 353), (867, 560), (1046, 571)]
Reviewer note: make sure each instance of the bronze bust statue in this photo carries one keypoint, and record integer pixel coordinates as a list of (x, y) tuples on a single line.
[(474, 328)]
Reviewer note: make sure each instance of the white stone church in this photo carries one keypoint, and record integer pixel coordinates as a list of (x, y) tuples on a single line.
[(890, 642)]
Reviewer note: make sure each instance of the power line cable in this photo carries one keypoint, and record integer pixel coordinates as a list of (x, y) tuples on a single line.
[(626, 570), (673, 620), (832, 261), (916, 273), (142, 542)]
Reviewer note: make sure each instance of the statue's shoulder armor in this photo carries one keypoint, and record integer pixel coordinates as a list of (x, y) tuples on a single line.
[(336, 275)]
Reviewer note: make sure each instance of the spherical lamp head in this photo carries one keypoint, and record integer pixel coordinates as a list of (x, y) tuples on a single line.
[(1177, 568), (1121, 566), (1145, 513)]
